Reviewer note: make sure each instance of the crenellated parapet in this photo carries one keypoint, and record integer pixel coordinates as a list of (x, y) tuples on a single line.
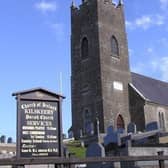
[(89, 2)]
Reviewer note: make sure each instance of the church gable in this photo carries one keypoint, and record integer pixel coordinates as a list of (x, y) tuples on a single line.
[(148, 100)]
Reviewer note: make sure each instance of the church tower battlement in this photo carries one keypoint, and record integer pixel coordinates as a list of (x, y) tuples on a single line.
[(100, 67)]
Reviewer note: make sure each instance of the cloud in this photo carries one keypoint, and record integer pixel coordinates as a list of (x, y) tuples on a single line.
[(157, 66), (161, 66), (164, 4), (44, 6), (146, 21), (149, 50), (129, 24)]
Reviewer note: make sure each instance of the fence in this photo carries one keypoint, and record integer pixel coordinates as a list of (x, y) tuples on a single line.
[(72, 161)]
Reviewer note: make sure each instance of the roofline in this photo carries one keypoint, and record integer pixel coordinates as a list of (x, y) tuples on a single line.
[(140, 94), (152, 78), (156, 103), (36, 89)]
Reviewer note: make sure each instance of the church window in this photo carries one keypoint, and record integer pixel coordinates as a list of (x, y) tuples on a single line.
[(84, 48), (161, 121), (88, 125), (114, 47), (120, 122)]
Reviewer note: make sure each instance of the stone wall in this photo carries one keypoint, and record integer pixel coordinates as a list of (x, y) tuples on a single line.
[(137, 109), (152, 110), (113, 70), (142, 151), (93, 78), (85, 80)]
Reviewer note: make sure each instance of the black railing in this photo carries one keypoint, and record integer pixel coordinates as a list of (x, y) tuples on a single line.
[(72, 161)]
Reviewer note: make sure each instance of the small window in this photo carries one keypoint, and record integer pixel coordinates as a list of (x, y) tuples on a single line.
[(161, 121), (84, 48), (114, 47)]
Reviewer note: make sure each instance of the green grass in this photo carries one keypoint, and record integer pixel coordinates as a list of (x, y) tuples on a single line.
[(75, 148)]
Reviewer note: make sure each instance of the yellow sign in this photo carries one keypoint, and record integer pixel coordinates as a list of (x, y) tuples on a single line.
[(163, 140)]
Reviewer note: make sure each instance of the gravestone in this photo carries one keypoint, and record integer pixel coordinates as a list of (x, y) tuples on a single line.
[(3, 139), (66, 152), (131, 128), (120, 131), (110, 130), (152, 126), (111, 136), (95, 150), (10, 140)]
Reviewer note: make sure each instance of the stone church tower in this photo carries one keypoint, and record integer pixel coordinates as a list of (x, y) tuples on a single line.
[(100, 67)]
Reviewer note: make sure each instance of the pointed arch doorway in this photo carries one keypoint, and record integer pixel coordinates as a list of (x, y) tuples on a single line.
[(120, 122)]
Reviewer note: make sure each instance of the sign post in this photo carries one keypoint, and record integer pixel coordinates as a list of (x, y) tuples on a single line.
[(39, 124)]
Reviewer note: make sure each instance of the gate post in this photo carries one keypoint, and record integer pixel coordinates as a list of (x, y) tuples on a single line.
[(161, 162)]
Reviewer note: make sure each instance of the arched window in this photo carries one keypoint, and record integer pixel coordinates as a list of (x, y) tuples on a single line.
[(84, 48), (114, 47), (88, 125), (161, 121), (120, 122)]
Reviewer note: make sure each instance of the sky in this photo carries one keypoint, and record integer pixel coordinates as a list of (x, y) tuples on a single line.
[(35, 49)]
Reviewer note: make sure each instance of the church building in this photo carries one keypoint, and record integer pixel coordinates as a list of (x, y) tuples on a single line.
[(103, 88)]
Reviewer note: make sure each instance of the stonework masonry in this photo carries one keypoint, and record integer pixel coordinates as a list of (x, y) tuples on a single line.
[(137, 109), (103, 88), (93, 78), (152, 110), (143, 112)]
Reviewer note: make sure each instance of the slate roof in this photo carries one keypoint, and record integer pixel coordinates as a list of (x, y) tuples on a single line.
[(153, 90)]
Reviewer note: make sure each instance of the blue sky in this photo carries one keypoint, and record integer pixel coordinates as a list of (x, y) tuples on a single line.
[(35, 48)]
